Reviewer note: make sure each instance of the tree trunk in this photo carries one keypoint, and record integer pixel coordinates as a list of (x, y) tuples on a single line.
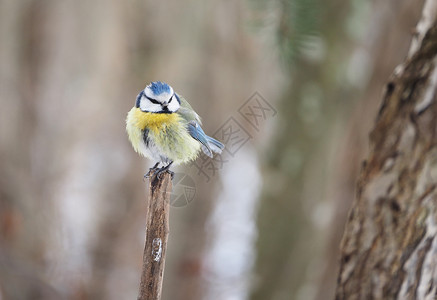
[(389, 245)]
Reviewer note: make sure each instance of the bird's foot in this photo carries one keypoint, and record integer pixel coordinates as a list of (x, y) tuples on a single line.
[(160, 171), (152, 170)]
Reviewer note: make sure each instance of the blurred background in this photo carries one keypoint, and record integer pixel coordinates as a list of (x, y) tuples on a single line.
[(291, 86)]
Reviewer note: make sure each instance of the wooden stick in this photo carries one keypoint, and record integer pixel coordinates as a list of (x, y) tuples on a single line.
[(157, 229)]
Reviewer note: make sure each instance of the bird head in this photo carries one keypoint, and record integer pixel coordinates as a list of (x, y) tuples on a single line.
[(158, 97)]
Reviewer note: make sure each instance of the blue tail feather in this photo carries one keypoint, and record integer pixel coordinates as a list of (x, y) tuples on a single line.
[(215, 145)]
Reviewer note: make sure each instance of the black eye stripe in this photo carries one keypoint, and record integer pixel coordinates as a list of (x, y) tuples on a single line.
[(157, 102), (177, 98), (153, 100)]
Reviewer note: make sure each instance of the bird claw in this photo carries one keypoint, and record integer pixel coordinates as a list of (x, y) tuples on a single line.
[(148, 174), (163, 170), (159, 171), (168, 171), (152, 170)]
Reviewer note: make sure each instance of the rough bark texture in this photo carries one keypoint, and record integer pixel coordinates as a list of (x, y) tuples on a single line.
[(156, 237), (389, 247)]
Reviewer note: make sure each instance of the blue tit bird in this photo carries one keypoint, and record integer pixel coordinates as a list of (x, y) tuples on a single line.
[(163, 127)]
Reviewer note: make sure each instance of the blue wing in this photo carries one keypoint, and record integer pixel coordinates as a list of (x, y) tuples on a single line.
[(209, 145), (197, 133)]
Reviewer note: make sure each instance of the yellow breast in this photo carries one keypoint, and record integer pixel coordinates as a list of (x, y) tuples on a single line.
[(152, 121), (168, 133)]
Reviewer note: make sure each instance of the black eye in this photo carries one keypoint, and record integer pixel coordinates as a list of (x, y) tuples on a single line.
[(170, 99)]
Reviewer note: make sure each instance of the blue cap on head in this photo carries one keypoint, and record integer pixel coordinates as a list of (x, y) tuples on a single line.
[(159, 87)]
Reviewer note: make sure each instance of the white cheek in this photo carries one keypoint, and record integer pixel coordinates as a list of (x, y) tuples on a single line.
[(173, 106), (146, 105)]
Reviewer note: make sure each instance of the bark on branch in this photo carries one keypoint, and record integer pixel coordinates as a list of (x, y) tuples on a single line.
[(157, 230)]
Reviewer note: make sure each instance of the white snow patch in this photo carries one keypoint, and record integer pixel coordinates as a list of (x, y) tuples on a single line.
[(156, 249)]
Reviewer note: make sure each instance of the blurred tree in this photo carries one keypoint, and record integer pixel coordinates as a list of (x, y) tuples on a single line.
[(384, 44), (309, 42), (389, 243)]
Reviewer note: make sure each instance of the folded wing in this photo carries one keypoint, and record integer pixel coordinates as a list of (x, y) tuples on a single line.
[(209, 145)]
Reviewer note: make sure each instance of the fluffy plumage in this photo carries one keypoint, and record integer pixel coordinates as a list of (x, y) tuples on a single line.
[(162, 126)]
